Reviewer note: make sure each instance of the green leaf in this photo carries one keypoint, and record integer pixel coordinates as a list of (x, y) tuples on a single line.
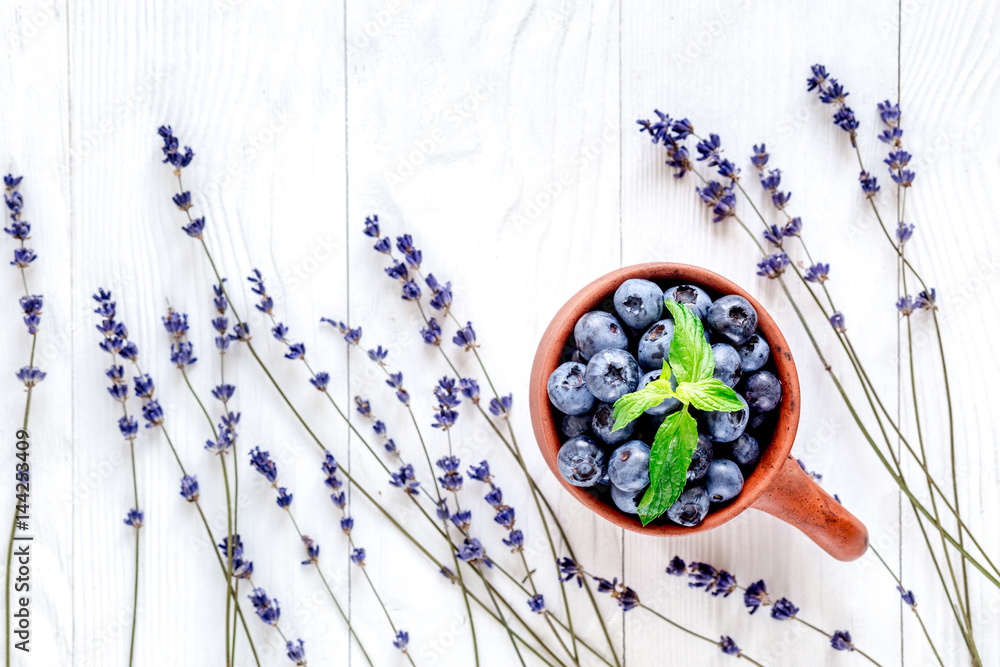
[(709, 395), (669, 459), (630, 407), (690, 356)]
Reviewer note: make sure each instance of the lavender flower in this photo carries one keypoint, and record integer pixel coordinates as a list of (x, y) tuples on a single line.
[(432, 332), (817, 273), (189, 488), (676, 567), (903, 232), (152, 412), (925, 301), (346, 524), (224, 392), (783, 610), (466, 337), (907, 596), (30, 376), (756, 596), (627, 598), (451, 480), (831, 92), (372, 227), (728, 646), (182, 355), (266, 608), (837, 322), (128, 427), (759, 157), (358, 557), (296, 652), (442, 294), (241, 332), (320, 381), (312, 549), (773, 266), (172, 155), (569, 569), (134, 518), (905, 305), (717, 582), (262, 463), (32, 308), (502, 407), (462, 520), (284, 499), (481, 472), (378, 354), (195, 229), (404, 479), (402, 640), (537, 603), (473, 553), (841, 641)]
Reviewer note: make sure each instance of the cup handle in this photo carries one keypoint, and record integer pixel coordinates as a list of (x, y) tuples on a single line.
[(798, 500)]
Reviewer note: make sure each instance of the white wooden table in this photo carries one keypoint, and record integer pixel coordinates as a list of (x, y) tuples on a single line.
[(502, 137)]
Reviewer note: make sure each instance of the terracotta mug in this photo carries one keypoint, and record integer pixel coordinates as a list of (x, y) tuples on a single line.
[(777, 486)]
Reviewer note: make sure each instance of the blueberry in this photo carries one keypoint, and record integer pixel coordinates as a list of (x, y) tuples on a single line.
[(628, 466), (763, 391), (724, 481), (754, 353), (727, 426), (733, 318), (745, 450), (602, 424), (693, 297), (639, 303), (667, 406), (574, 425), (581, 461), (611, 374), (598, 331), (728, 366), (626, 501), (654, 346), (571, 354), (758, 419), (567, 387), (701, 459), (691, 508)]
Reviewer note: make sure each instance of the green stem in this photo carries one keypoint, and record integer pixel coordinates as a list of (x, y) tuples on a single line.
[(693, 633), (920, 620)]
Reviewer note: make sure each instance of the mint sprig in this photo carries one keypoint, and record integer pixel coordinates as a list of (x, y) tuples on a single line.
[(692, 364)]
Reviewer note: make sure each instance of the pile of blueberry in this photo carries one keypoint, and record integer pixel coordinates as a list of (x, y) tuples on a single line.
[(621, 348)]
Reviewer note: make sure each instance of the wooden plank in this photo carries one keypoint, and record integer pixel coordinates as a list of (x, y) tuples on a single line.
[(696, 61), (448, 141), (36, 144), (266, 125)]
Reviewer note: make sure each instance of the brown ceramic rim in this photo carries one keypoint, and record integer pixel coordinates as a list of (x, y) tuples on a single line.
[(589, 298)]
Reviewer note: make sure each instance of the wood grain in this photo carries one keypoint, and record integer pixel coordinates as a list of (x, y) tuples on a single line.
[(501, 136)]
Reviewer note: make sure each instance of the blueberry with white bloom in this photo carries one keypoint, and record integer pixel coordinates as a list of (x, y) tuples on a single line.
[(727, 426), (581, 462), (728, 364), (690, 508), (628, 466), (733, 318), (701, 458), (612, 373), (638, 302), (745, 450), (763, 391), (602, 424), (724, 481), (626, 501), (695, 298), (597, 331), (754, 353), (567, 389), (654, 346)]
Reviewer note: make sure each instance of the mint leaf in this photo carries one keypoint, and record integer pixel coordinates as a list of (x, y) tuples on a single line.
[(669, 459), (690, 356), (709, 395), (630, 407)]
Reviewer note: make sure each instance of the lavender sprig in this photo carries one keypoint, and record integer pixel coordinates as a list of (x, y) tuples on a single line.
[(262, 462), (720, 583), (628, 600), (115, 342)]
